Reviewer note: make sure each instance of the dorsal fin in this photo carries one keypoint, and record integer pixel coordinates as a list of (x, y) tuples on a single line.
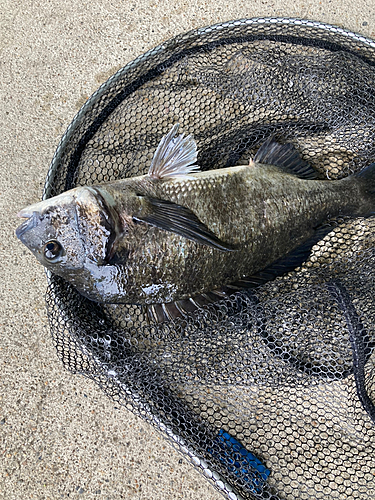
[(286, 157), (174, 156)]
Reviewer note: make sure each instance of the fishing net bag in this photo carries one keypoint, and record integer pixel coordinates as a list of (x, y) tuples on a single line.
[(269, 392)]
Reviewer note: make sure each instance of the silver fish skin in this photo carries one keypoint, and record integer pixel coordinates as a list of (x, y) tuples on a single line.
[(176, 232)]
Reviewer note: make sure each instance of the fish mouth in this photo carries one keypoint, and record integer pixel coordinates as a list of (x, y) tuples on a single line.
[(25, 213), (30, 222)]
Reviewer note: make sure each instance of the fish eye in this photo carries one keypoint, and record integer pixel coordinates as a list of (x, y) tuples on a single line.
[(53, 250)]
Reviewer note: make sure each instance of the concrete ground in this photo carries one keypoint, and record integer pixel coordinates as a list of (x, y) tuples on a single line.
[(60, 437)]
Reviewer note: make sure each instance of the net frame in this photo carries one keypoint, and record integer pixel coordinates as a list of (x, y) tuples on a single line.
[(72, 140)]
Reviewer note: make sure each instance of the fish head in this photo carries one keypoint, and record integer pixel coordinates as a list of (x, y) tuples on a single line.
[(68, 231)]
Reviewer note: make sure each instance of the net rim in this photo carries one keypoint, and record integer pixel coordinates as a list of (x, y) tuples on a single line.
[(179, 40), (173, 42)]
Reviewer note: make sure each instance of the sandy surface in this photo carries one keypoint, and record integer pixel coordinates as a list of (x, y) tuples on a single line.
[(60, 437)]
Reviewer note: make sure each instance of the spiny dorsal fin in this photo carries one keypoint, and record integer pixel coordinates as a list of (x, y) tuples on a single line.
[(286, 157), (174, 156)]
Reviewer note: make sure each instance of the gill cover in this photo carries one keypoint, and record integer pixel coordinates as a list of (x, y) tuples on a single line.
[(97, 223), (79, 220)]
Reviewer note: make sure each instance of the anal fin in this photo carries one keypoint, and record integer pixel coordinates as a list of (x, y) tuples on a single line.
[(282, 266), (160, 313)]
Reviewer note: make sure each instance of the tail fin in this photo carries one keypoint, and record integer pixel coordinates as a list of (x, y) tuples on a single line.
[(366, 177)]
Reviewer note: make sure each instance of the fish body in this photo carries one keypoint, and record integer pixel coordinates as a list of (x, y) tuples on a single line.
[(178, 233)]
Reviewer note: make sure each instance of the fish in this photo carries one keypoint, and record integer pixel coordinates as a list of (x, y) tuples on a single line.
[(178, 238)]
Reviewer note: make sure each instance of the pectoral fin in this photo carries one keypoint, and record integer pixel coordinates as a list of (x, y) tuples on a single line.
[(180, 220)]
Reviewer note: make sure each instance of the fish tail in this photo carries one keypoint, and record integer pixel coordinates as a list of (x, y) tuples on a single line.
[(366, 180)]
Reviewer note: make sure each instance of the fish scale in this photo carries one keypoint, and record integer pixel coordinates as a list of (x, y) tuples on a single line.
[(178, 233)]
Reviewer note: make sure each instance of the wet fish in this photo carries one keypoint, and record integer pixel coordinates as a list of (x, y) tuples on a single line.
[(181, 238)]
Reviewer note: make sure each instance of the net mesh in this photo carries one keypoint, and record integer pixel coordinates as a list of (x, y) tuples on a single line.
[(270, 392)]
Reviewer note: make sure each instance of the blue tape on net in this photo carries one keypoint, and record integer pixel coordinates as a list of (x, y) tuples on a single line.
[(240, 462)]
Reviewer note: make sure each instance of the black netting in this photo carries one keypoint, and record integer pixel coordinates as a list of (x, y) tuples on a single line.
[(270, 393)]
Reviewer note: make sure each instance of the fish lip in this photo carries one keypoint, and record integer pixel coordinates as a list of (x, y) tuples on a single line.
[(29, 222), (24, 214)]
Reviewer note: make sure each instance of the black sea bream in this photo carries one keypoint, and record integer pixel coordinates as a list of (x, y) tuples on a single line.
[(179, 233)]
